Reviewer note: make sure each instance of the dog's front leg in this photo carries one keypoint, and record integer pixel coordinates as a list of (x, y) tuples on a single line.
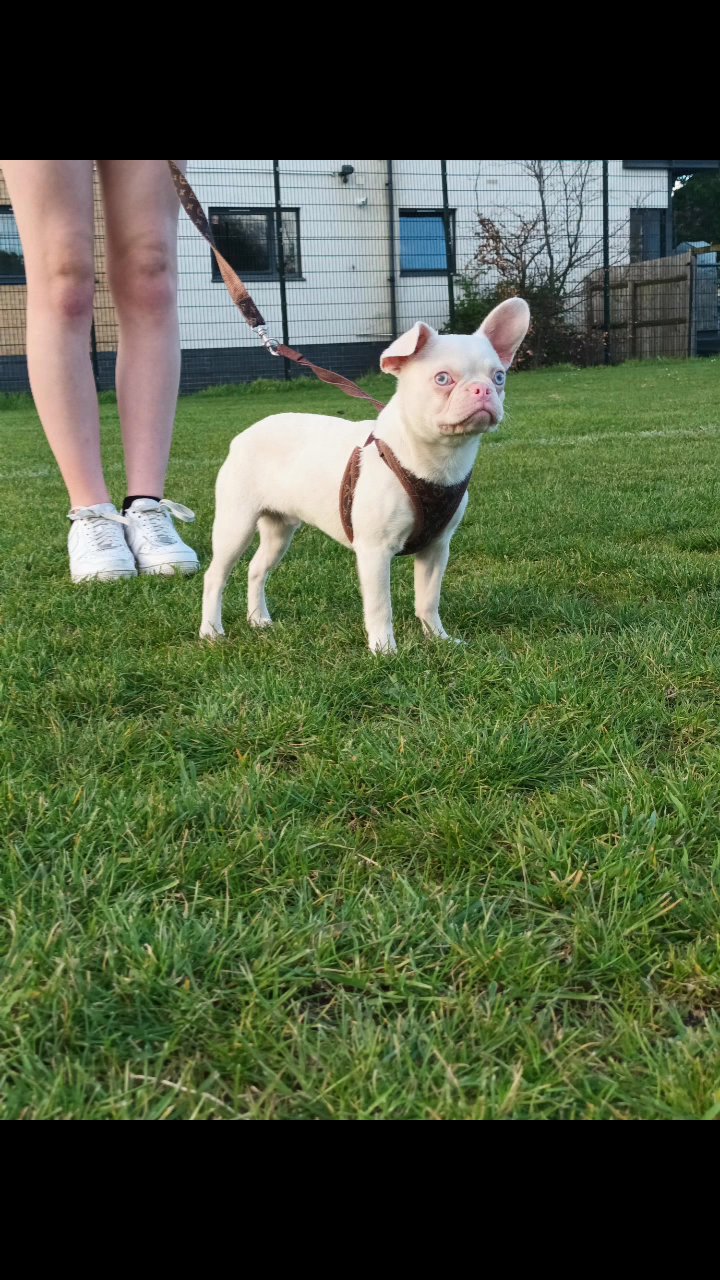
[(374, 572), (430, 566)]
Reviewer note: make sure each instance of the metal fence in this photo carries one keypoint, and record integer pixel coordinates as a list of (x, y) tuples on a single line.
[(341, 256)]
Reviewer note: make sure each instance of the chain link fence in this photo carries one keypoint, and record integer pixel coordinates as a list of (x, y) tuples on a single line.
[(341, 256)]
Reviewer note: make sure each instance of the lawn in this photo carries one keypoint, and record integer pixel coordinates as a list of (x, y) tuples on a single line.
[(278, 878)]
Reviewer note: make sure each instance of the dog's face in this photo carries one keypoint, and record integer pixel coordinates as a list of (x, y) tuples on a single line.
[(454, 386)]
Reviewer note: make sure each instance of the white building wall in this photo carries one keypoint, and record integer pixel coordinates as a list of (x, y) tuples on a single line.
[(344, 293)]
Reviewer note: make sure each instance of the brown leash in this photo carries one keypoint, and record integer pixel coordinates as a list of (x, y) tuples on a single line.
[(433, 504), (240, 296)]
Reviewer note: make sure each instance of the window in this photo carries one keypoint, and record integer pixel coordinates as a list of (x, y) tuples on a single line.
[(247, 238), (647, 234), (423, 251), (12, 263)]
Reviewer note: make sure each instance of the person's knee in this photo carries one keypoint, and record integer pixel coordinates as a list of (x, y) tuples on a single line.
[(66, 283), (143, 279)]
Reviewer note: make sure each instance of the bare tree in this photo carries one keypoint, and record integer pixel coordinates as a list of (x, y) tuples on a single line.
[(547, 250), (544, 251)]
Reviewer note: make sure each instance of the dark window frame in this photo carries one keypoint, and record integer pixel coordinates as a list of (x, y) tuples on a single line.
[(273, 274), (637, 234), (437, 272), (8, 279)]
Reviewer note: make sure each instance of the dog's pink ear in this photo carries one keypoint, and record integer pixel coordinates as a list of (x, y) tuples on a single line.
[(506, 327), (405, 347)]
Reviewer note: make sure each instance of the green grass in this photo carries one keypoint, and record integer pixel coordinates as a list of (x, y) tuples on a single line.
[(278, 878)]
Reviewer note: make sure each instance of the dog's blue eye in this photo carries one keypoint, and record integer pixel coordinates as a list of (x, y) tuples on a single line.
[(499, 378), (443, 379)]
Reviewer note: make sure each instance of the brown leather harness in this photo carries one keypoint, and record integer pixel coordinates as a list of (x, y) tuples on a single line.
[(433, 504)]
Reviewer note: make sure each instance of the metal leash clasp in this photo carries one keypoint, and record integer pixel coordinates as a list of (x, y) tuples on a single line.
[(270, 344)]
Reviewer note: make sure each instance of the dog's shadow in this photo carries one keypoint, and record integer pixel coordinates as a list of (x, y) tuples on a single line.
[(318, 581), (537, 610)]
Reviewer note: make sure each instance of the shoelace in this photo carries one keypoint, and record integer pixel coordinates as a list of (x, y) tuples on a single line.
[(178, 510), (100, 527), (157, 519)]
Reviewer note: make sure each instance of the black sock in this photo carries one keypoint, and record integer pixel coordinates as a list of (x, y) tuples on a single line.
[(131, 498)]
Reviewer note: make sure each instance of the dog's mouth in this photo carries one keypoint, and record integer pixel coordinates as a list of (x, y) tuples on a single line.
[(473, 425)]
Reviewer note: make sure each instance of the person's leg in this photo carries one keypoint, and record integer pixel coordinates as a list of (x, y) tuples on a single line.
[(141, 212), (53, 204)]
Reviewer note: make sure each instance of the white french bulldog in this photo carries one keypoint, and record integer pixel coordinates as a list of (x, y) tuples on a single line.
[(391, 487)]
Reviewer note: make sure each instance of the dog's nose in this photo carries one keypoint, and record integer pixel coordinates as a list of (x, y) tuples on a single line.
[(481, 389)]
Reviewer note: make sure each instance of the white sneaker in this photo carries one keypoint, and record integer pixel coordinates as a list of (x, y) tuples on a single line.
[(153, 539), (97, 546)]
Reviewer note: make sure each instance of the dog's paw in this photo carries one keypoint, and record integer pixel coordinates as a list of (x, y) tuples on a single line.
[(259, 622), (433, 631), (384, 645), (209, 632)]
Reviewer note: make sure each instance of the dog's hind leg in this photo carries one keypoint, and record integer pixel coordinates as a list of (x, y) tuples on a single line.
[(276, 534), (232, 534)]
